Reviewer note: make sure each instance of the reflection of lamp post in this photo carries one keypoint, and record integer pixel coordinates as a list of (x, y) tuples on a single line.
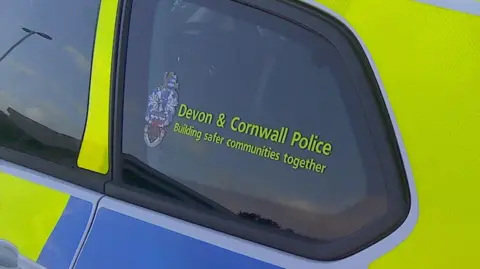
[(29, 34)]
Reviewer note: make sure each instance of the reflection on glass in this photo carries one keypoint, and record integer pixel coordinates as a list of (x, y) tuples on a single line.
[(29, 34), (233, 59), (45, 60)]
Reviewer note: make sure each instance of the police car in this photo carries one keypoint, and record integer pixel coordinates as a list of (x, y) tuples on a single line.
[(239, 134)]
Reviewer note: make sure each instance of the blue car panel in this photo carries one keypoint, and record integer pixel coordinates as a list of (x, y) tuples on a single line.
[(121, 241)]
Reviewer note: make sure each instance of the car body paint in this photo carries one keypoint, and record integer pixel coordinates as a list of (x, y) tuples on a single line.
[(428, 60), (45, 218), (111, 244), (95, 148)]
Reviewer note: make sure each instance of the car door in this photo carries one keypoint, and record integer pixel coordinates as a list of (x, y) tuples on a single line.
[(53, 155), (247, 134)]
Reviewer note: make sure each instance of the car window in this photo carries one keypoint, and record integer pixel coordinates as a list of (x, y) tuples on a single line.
[(257, 114), (45, 60)]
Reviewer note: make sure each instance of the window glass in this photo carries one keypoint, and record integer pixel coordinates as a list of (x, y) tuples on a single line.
[(45, 59), (252, 112)]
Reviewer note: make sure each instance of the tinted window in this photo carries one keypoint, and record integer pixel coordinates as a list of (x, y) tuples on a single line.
[(258, 115), (45, 59)]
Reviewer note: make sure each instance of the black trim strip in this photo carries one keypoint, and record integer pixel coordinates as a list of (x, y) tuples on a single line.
[(117, 99), (117, 78)]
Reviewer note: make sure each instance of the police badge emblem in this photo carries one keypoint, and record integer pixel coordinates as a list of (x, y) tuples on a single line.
[(162, 103)]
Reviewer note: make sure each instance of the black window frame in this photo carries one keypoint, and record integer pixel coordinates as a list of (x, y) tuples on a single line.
[(71, 174), (369, 96)]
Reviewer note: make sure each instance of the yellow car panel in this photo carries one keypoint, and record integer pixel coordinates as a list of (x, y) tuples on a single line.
[(428, 58), (94, 152), (29, 213)]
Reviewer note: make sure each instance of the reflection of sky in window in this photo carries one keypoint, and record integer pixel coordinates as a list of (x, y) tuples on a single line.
[(48, 80), (306, 100)]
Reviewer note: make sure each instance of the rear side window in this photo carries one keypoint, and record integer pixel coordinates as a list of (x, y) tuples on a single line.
[(45, 59), (266, 121)]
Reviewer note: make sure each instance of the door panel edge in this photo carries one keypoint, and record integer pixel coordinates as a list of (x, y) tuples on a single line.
[(46, 218)]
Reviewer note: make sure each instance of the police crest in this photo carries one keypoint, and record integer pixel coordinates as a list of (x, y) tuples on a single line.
[(162, 103)]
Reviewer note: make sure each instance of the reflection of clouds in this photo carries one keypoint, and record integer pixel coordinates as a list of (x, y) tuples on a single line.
[(35, 113), (81, 61), (44, 112), (43, 107), (48, 114), (327, 207), (304, 205), (323, 221), (7, 100), (48, 81), (25, 70), (22, 68)]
